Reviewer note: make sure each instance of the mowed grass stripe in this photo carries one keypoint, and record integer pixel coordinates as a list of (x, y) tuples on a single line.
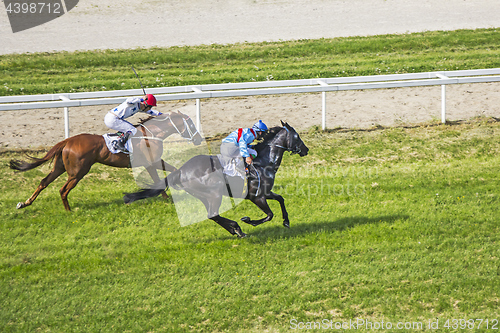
[(41, 73)]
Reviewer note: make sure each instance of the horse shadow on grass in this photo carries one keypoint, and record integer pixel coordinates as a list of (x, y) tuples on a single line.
[(268, 232), (90, 205), (274, 229)]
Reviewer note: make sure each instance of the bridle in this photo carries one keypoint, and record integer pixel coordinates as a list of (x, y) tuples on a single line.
[(187, 129), (295, 150)]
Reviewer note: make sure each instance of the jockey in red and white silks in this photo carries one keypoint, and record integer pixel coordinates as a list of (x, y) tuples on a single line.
[(114, 119)]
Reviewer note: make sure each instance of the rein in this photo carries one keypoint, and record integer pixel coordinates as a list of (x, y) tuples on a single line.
[(293, 151), (186, 128), (272, 162), (152, 137)]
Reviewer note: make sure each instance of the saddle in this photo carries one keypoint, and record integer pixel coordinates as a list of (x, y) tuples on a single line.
[(232, 167), (235, 176), (112, 138)]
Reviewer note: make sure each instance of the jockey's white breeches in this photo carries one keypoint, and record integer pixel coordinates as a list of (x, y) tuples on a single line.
[(117, 124)]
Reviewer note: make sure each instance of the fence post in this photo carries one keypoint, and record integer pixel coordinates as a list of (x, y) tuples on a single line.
[(198, 108), (443, 98), (66, 122), (443, 104), (323, 105), (66, 117), (198, 114), (323, 112)]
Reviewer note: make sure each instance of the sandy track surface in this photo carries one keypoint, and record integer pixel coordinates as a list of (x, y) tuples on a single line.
[(347, 109), (114, 24)]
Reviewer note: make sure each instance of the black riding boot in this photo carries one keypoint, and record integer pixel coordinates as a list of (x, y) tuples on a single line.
[(120, 143)]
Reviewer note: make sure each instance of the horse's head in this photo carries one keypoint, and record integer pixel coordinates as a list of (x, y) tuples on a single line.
[(179, 123), (293, 141), (190, 131)]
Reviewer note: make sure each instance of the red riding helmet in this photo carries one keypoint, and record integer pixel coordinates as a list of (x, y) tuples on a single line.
[(150, 100)]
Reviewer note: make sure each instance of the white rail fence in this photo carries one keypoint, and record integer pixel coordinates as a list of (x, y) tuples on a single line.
[(197, 92)]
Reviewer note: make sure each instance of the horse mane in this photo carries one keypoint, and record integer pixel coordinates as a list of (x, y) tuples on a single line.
[(266, 137), (142, 121)]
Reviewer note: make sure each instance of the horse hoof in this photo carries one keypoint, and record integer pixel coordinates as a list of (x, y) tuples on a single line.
[(246, 219), (240, 234), (286, 224), (20, 205)]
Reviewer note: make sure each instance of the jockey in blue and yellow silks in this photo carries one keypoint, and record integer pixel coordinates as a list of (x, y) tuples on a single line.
[(237, 143)]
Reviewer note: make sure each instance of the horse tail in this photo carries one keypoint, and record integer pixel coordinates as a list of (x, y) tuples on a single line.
[(154, 191), (25, 166)]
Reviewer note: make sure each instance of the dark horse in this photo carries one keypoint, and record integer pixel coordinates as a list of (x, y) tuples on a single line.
[(197, 177), (78, 153)]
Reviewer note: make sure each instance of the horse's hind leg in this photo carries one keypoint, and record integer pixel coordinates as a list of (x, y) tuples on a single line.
[(64, 191), (75, 173), (229, 225), (56, 172), (212, 204)]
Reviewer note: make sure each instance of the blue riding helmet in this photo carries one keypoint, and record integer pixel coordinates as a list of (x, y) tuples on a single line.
[(259, 126)]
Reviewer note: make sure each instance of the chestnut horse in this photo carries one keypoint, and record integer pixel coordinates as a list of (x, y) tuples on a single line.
[(78, 153)]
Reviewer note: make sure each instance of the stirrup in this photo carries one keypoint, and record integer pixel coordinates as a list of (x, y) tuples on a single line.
[(120, 143), (120, 146)]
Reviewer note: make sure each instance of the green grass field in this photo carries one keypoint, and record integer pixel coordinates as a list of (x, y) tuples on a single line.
[(41, 73), (393, 225), (398, 225)]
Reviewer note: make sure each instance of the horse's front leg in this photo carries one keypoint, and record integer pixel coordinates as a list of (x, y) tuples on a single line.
[(279, 198), (166, 167), (154, 175), (261, 202), (163, 166)]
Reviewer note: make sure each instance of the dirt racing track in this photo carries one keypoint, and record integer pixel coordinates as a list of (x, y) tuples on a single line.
[(230, 21)]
